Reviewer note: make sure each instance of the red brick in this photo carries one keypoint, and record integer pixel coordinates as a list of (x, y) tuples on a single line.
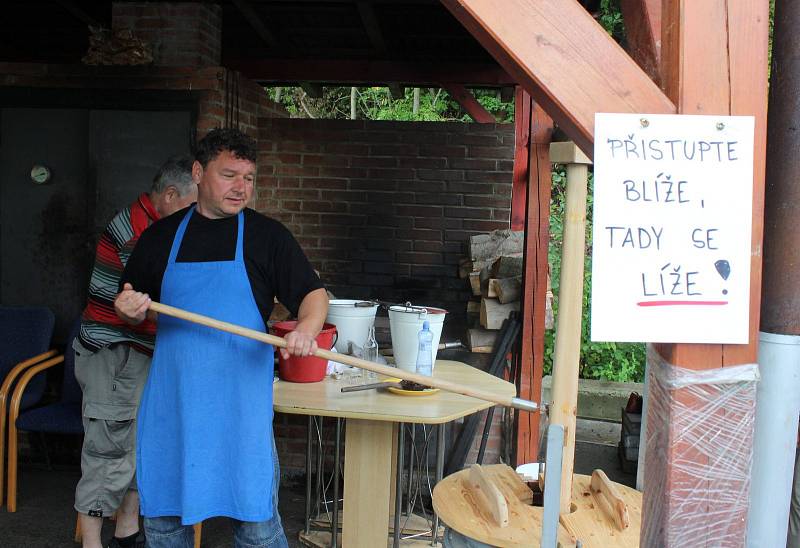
[(393, 150), (425, 163), (485, 226), (359, 161), (325, 160), (420, 211), (468, 212)]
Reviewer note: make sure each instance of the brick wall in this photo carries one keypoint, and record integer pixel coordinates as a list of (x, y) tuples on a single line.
[(385, 209), (181, 33)]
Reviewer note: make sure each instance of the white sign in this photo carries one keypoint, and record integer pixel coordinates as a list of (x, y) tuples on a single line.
[(671, 228)]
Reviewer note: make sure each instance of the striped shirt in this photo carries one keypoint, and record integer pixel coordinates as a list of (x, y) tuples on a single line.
[(100, 326)]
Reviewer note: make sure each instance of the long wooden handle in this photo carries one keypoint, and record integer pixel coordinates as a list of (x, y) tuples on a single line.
[(507, 401)]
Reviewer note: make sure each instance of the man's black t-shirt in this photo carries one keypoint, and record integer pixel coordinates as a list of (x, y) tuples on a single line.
[(275, 264)]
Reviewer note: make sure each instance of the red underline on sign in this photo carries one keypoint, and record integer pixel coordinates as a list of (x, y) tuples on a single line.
[(682, 303)]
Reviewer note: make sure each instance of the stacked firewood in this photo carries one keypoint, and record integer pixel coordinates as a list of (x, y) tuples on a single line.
[(494, 269), (116, 47)]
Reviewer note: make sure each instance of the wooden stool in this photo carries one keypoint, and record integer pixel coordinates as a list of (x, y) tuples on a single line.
[(462, 508)]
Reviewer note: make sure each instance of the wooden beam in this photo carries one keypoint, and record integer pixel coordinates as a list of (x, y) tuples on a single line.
[(471, 106), (314, 91), (534, 279), (564, 59), (714, 61), (519, 178), (371, 26), (397, 91), (721, 73), (254, 18), (367, 73), (643, 34)]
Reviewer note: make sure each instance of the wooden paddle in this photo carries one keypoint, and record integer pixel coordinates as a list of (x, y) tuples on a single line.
[(507, 401)]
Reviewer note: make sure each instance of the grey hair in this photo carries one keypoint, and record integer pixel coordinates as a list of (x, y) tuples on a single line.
[(177, 172)]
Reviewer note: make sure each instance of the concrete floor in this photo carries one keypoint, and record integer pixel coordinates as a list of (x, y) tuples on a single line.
[(45, 518)]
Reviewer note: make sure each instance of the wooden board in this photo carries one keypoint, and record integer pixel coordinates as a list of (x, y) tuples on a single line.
[(456, 508), (325, 398), (559, 54), (368, 477), (594, 528)]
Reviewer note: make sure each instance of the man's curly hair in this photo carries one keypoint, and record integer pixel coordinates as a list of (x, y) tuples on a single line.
[(221, 139)]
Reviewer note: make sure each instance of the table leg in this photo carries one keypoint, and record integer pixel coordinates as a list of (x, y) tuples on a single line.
[(367, 483), (439, 474)]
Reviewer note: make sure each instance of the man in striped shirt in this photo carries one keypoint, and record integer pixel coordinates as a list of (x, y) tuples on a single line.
[(111, 363)]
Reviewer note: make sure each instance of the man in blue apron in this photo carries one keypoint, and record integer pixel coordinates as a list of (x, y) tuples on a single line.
[(205, 444)]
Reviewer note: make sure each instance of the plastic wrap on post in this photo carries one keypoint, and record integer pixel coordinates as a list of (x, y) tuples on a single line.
[(699, 454)]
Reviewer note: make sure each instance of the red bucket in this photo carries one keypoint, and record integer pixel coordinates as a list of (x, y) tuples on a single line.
[(308, 368)]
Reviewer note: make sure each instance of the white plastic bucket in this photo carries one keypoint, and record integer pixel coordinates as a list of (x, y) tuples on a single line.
[(352, 322), (405, 323)]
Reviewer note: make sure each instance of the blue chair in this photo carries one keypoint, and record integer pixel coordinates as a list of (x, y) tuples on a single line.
[(25, 334), (61, 417)]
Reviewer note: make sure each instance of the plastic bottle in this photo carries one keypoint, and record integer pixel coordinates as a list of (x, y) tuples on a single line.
[(370, 353), (425, 351)]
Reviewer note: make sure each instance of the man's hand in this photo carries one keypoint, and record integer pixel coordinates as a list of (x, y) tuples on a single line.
[(299, 343), (131, 306)]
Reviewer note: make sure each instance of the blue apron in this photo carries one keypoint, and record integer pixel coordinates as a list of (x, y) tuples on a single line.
[(204, 443)]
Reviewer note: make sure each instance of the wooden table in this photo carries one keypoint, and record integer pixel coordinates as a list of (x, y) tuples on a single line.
[(372, 419)]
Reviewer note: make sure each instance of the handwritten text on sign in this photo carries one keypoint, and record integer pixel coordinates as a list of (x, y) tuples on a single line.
[(671, 228)]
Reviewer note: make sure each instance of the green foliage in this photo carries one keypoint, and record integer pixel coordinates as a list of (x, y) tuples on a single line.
[(599, 360), (375, 103), (610, 17)]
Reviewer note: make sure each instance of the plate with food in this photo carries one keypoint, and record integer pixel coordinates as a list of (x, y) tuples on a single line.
[(410, 388)]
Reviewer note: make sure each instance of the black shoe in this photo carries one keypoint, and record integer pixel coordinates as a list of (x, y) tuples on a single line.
[(139, 542)]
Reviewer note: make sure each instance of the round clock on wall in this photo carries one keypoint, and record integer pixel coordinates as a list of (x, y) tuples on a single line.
[(40, 174)]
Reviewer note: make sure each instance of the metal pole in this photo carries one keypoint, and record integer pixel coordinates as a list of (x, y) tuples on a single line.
[(775, 433), (552, 486), (308, 474), (411, 468), (398, 483), (774, 440), (337, 458), (320, 469), (439, 473)]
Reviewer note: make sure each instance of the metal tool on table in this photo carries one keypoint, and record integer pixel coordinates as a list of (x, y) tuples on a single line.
[(371, 386), (433, 382)]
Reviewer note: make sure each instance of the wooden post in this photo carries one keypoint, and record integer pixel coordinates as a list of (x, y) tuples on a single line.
[(714, 61), (535, 175), (564, 409)]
